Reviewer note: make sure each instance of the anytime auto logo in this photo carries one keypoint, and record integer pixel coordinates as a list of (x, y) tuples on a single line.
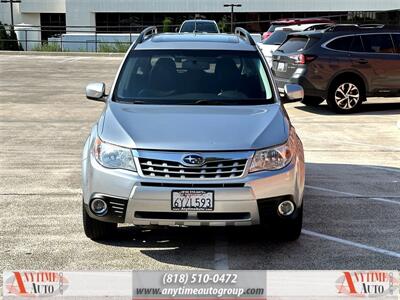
[(27, 283), (367, 283)]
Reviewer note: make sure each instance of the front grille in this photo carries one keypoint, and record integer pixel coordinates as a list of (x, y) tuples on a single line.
[(229, 168)]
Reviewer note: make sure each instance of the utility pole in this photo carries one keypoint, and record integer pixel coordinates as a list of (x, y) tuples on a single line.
[(11, 9), (232, 6)]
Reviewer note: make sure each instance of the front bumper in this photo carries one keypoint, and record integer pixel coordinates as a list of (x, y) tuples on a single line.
[(148, 201)]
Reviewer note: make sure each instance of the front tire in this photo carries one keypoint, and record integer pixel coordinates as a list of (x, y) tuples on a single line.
[(312, 101), (346, 95), (97, 230)]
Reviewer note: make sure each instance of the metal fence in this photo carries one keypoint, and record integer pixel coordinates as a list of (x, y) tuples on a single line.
[(89, 38), (74, 38)]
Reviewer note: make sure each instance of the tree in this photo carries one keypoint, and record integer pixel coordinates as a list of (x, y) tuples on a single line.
[(3, 37), (13, 43), (9, 41), (223, 24), (167, 22)]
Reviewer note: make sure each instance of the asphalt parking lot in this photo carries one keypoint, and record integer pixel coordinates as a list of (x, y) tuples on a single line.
[(352, 198)]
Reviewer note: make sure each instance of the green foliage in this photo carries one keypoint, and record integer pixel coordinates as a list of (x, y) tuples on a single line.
[(3, 37), (48, 47), (118, 47), (13, 43), (167, 22), (8, 41), (223, 24)]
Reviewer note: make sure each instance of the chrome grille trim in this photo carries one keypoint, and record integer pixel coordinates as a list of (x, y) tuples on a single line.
[(169, 165)]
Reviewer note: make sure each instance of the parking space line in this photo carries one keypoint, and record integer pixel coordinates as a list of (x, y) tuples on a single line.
[(389, 169), (353, 195), (351, 243), (221, 261)]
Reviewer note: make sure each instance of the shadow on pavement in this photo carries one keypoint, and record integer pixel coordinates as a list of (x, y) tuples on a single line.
[(355, 218), (366, 109)]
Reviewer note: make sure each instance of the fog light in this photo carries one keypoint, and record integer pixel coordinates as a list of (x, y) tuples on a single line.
[(286, 208), (99, 207)]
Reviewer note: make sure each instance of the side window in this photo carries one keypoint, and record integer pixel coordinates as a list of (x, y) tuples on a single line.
[(341, 44), (378, 43), (356, 44), (396, 40)]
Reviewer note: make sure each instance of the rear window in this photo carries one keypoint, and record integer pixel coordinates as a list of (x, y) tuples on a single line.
[(209, 27), (274, 26), (378, 43), (277, 38), (294, 44)]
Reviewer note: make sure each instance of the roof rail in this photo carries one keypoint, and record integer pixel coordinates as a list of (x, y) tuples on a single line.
[(148, 32), (243, 33)]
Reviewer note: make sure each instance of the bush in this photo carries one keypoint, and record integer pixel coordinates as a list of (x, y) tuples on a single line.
[(8, 41), (120, 47), (48, 47), (167, 22)]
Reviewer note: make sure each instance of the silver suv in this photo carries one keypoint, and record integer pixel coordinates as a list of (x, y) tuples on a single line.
[(194, 134)]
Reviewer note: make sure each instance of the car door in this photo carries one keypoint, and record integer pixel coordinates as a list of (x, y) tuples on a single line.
[(379, 58)]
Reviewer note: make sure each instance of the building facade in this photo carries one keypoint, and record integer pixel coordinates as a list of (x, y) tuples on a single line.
[(133, 15)]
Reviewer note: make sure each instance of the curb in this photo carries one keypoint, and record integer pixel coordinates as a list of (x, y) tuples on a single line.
[(40, 53)]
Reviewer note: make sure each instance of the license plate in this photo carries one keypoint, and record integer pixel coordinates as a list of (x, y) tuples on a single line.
[(192, 200), (281, 67)]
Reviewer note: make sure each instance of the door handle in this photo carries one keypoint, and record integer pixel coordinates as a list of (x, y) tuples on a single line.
[(363, 61)]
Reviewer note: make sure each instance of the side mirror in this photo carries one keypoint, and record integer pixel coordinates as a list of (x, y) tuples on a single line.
[(96, 91), (293, 92)]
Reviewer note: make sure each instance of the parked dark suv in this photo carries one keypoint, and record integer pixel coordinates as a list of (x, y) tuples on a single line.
[(343, 67)]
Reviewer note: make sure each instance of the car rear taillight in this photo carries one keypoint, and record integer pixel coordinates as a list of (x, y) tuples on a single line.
[(302, 59)]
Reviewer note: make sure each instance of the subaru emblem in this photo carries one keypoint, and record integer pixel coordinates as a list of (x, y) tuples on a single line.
[(193, 160)]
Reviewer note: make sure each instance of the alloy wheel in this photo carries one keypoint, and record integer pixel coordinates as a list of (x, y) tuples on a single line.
[(347, 95)]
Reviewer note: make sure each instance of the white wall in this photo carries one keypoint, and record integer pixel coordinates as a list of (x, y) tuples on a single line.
[(82, 12), (43, 6), (5, 15)]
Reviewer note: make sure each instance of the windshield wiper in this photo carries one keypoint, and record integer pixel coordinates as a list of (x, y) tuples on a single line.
[(209, 102)]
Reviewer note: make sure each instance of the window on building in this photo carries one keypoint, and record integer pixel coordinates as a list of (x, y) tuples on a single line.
[(52, 25)]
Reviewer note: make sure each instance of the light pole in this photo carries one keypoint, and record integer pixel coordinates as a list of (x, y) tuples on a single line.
[(232, 6), (11, 8)]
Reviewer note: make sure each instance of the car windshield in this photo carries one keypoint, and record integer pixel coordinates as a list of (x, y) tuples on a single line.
[(209, 77), (277, 38), (209, 27)]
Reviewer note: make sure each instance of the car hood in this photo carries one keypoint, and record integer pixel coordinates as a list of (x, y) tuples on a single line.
[(193, 128)]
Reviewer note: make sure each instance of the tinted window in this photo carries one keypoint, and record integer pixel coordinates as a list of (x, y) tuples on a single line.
[(356, 45), (341, 44), (190, 76), (294, 44), (378, 43), (273, 27), (277, 37), (396, 40), (199, 27)]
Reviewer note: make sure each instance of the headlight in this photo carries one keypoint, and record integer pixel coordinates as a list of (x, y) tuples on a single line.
[(112, 156), (274, 158)]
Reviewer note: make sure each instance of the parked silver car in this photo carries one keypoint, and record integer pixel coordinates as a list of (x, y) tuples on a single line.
[(194, 134)]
